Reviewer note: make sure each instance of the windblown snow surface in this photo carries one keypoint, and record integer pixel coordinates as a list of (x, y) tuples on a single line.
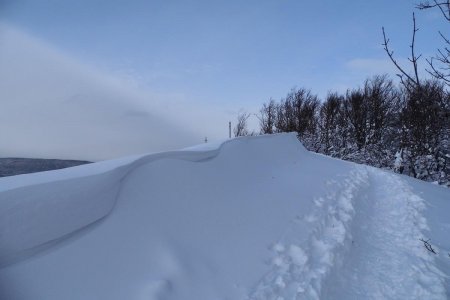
[(251, 218)]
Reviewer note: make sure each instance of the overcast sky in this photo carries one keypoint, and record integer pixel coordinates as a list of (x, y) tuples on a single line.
[(190, 64)]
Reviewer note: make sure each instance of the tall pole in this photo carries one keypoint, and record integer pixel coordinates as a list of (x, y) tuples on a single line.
[(229, 129)]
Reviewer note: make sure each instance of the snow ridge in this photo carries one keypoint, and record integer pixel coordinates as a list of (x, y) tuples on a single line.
[(300, 268), (55, 204), (52, 207)]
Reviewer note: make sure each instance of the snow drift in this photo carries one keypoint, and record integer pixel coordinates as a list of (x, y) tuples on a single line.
[(251, 218)]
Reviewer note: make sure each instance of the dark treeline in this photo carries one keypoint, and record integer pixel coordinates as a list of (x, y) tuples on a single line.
[(379, 124)]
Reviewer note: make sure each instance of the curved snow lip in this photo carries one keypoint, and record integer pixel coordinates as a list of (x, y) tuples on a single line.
[(39, 209)]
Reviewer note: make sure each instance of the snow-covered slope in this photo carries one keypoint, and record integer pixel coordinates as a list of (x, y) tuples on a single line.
[(252, 218)]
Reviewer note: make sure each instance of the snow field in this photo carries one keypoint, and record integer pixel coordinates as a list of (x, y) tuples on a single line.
[(255, 218)]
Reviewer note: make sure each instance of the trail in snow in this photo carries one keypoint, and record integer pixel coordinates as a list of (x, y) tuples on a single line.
[(364, 244), (387, 259), (300, 267)]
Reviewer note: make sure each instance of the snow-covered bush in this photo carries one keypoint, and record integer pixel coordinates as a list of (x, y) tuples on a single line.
[(381, 125)]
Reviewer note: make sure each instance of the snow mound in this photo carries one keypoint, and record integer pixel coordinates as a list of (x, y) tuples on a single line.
[(249, 218), (55, 204)]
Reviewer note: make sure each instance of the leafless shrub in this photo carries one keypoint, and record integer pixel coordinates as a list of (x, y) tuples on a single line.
[(241, 127)]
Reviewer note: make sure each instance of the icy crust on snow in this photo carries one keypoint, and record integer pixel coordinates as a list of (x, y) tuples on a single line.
[(54, 204)]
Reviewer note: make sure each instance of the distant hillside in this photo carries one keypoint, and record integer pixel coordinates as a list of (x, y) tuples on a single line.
[(16, 166)]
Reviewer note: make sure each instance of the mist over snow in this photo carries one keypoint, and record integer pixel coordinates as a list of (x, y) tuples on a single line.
[(55, 107)]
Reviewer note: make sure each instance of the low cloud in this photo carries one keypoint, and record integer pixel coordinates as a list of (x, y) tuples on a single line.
[(54, 107)]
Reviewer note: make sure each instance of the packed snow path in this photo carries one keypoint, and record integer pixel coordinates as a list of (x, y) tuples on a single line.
[(253, 218), (363, 245), (387, 259)]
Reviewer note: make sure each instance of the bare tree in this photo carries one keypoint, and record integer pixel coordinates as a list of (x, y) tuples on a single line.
[(267, 117), (356, 112), (328, 122), (241, 126), (381, 98)]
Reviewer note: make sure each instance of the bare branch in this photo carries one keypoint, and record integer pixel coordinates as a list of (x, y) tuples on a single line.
[(390, 53), (441, 71), (439, 65), (410, 82), (413, 56), (444, 7), (428, 245), (437, 73), (445, 39)]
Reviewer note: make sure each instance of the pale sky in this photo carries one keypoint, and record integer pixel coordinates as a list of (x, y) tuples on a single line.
[(190, 64)]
